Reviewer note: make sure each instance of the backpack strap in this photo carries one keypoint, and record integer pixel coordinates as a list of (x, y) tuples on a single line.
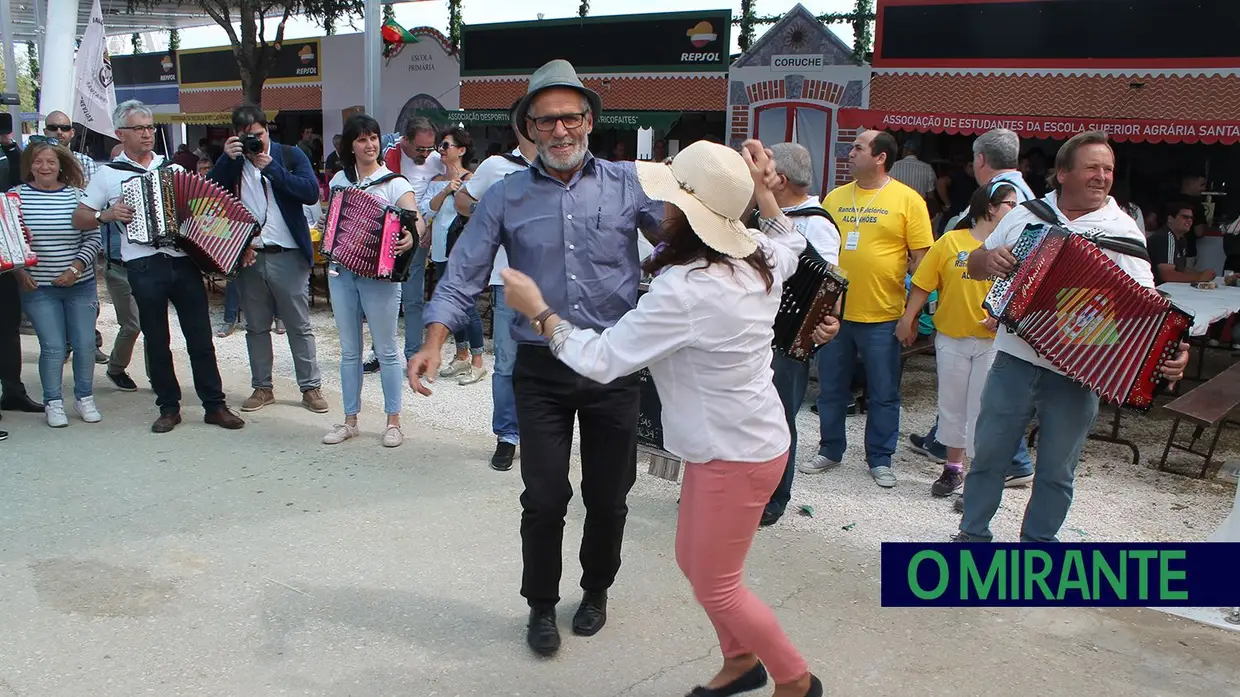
[(516, 160), (130, 167), (812, 212), (1121, 245)]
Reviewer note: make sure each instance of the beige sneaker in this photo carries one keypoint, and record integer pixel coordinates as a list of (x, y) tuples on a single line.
[(392, 437), (454, 369), (258, 400), (339, 434), (472, 375), (312, 399)]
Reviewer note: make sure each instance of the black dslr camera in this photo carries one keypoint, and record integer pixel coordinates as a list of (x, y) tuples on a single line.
[(251, 144)]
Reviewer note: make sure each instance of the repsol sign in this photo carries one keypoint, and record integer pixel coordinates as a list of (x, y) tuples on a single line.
[(699, 57)]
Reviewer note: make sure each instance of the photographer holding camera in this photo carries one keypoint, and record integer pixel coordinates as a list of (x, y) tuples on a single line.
[(274, 181)]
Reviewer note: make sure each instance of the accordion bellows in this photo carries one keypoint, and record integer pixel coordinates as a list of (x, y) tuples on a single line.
[(808, 298), (15, 252), (1081, 312), (361, 233), (192, 213)]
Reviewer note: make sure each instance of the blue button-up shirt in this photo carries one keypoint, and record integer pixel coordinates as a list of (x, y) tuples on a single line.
[(578, 241)]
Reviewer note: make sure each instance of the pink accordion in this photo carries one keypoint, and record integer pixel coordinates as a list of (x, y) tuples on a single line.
[(361, 233), (15, 252)]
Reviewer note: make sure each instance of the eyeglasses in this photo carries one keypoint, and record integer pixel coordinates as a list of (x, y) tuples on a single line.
[(546, 124), (149, 128), (448, 144), (62, 127)]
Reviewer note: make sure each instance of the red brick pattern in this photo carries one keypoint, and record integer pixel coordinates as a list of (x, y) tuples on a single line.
[(766, 91), (821, 91), (1189, 97), (739, 122), (293, 98), (697, 93)]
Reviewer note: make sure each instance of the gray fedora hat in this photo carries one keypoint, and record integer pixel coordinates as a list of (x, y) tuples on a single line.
[(556, 73)]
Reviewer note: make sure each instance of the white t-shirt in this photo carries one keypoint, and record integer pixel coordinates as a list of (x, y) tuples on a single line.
[(389, 191), (258, 196), (420, 175), (1110, 220), (492, 170), (105, 189), (824, 236)]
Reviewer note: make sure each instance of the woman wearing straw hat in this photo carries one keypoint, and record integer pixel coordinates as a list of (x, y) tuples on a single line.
[(704, 329)]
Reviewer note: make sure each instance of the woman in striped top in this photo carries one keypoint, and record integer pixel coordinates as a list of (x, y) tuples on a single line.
[(59, 292)]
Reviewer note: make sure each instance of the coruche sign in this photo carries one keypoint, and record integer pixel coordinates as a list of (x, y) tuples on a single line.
[(790, 62)]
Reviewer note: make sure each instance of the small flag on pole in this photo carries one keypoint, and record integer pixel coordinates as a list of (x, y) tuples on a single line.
[(94, 93)]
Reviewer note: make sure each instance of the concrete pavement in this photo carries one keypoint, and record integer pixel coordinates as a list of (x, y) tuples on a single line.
[(255, 563)]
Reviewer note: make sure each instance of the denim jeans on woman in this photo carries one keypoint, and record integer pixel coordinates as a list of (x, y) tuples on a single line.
[(353, 295), (1015, 392), (64, 316), (471, 336), (504, 402)]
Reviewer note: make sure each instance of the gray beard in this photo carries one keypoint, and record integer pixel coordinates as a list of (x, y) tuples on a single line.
[(566, 165)]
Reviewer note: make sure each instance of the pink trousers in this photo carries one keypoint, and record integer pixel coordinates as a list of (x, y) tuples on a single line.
[(721, 504)]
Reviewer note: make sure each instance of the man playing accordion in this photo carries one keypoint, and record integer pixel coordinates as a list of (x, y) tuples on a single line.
[(1021, 383)]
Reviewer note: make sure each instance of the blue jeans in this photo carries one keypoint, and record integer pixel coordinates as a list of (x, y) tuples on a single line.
[(351, 296), (471, 336), (1015, 391), (413, 298), (64, 316), (791, 380), (880, 350), (504, 403), (1022, 464), (232, 301)]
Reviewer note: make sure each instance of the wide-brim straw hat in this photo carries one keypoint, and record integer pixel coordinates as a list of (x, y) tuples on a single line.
[(556, 73), (711, 184)]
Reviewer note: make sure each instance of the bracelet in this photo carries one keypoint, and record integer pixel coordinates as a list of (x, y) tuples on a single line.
[(537, 321), (75, 271)]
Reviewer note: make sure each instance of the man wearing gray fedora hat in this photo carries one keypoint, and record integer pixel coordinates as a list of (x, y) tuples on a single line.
[(569, 222)]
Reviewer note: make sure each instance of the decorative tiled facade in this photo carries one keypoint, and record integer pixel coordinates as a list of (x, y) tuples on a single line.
[(275, 97)]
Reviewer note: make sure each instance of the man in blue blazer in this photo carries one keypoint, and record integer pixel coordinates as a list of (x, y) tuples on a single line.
[(274, 181)]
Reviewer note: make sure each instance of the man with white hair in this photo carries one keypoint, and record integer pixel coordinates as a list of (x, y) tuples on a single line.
[(158, 276), (791, 377)]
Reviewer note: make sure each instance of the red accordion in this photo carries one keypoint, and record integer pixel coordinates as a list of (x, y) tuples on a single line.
[(193, 213), (15, 252), (1081, 312), (361, 233)]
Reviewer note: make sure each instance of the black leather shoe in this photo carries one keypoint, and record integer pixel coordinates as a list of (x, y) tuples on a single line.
[(501, 461), (815, 687), (542, 634), (165, 423), (753, 679), (770, 517), (591, 614), (21, 403)]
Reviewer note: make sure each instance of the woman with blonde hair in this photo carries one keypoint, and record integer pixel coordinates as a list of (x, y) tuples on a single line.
[(705, 331), (60, 295)]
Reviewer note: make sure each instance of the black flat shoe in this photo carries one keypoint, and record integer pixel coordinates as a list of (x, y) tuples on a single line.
[(591, 614), (542, 634), (815, 687), (753, 679), (770, 518), (22, 403), (501, 461)]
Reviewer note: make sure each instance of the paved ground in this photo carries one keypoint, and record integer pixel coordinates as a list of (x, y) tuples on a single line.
[(260, 563)]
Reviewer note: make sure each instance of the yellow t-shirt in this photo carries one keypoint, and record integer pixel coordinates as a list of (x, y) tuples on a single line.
[(874, 252), (945, 268)]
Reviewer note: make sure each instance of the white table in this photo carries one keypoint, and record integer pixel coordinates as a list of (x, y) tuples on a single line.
[(1206, 306)]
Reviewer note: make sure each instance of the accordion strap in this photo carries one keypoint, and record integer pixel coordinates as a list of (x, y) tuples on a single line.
[(385, 178), (129, 167), (1121, 245)]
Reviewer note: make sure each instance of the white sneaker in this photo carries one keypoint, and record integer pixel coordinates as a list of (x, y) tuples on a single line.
[(817, 465), (339, 434), (55, 411), (472, 375), (454, 369), (87, 410)]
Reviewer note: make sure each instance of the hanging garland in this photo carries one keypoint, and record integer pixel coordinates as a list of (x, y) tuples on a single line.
[(32, 63), (454, 24), (174, 40), (746, 22)]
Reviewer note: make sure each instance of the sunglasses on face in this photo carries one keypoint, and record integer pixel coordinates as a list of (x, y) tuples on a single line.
[(44, 139), (424, 151), (63, 128), (447, 144)]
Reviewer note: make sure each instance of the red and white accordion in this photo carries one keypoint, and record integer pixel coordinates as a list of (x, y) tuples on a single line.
[(198, 216), (15, 252), (1081, 312), (361, 233), (808, 298)]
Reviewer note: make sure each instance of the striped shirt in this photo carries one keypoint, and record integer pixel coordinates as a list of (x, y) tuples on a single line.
[(49, 215)]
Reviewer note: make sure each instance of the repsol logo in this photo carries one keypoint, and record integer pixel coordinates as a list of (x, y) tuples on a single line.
[(699, 57)]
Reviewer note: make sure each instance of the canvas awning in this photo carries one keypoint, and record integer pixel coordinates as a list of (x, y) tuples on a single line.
[(208, 118), (1050, 127), (628, 120)]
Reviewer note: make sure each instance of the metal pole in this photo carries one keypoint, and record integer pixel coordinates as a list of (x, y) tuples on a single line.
[(372, 46), (56, 58), (10, 64)]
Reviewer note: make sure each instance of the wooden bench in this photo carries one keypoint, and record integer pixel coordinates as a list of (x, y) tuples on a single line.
[(1206, 406)]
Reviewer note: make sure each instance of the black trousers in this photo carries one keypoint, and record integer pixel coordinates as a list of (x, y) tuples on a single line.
[(548, 396), (156, 281), (10, 337)]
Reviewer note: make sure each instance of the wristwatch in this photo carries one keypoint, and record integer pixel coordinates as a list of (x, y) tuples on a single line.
[(538, 320), (98, 216)]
